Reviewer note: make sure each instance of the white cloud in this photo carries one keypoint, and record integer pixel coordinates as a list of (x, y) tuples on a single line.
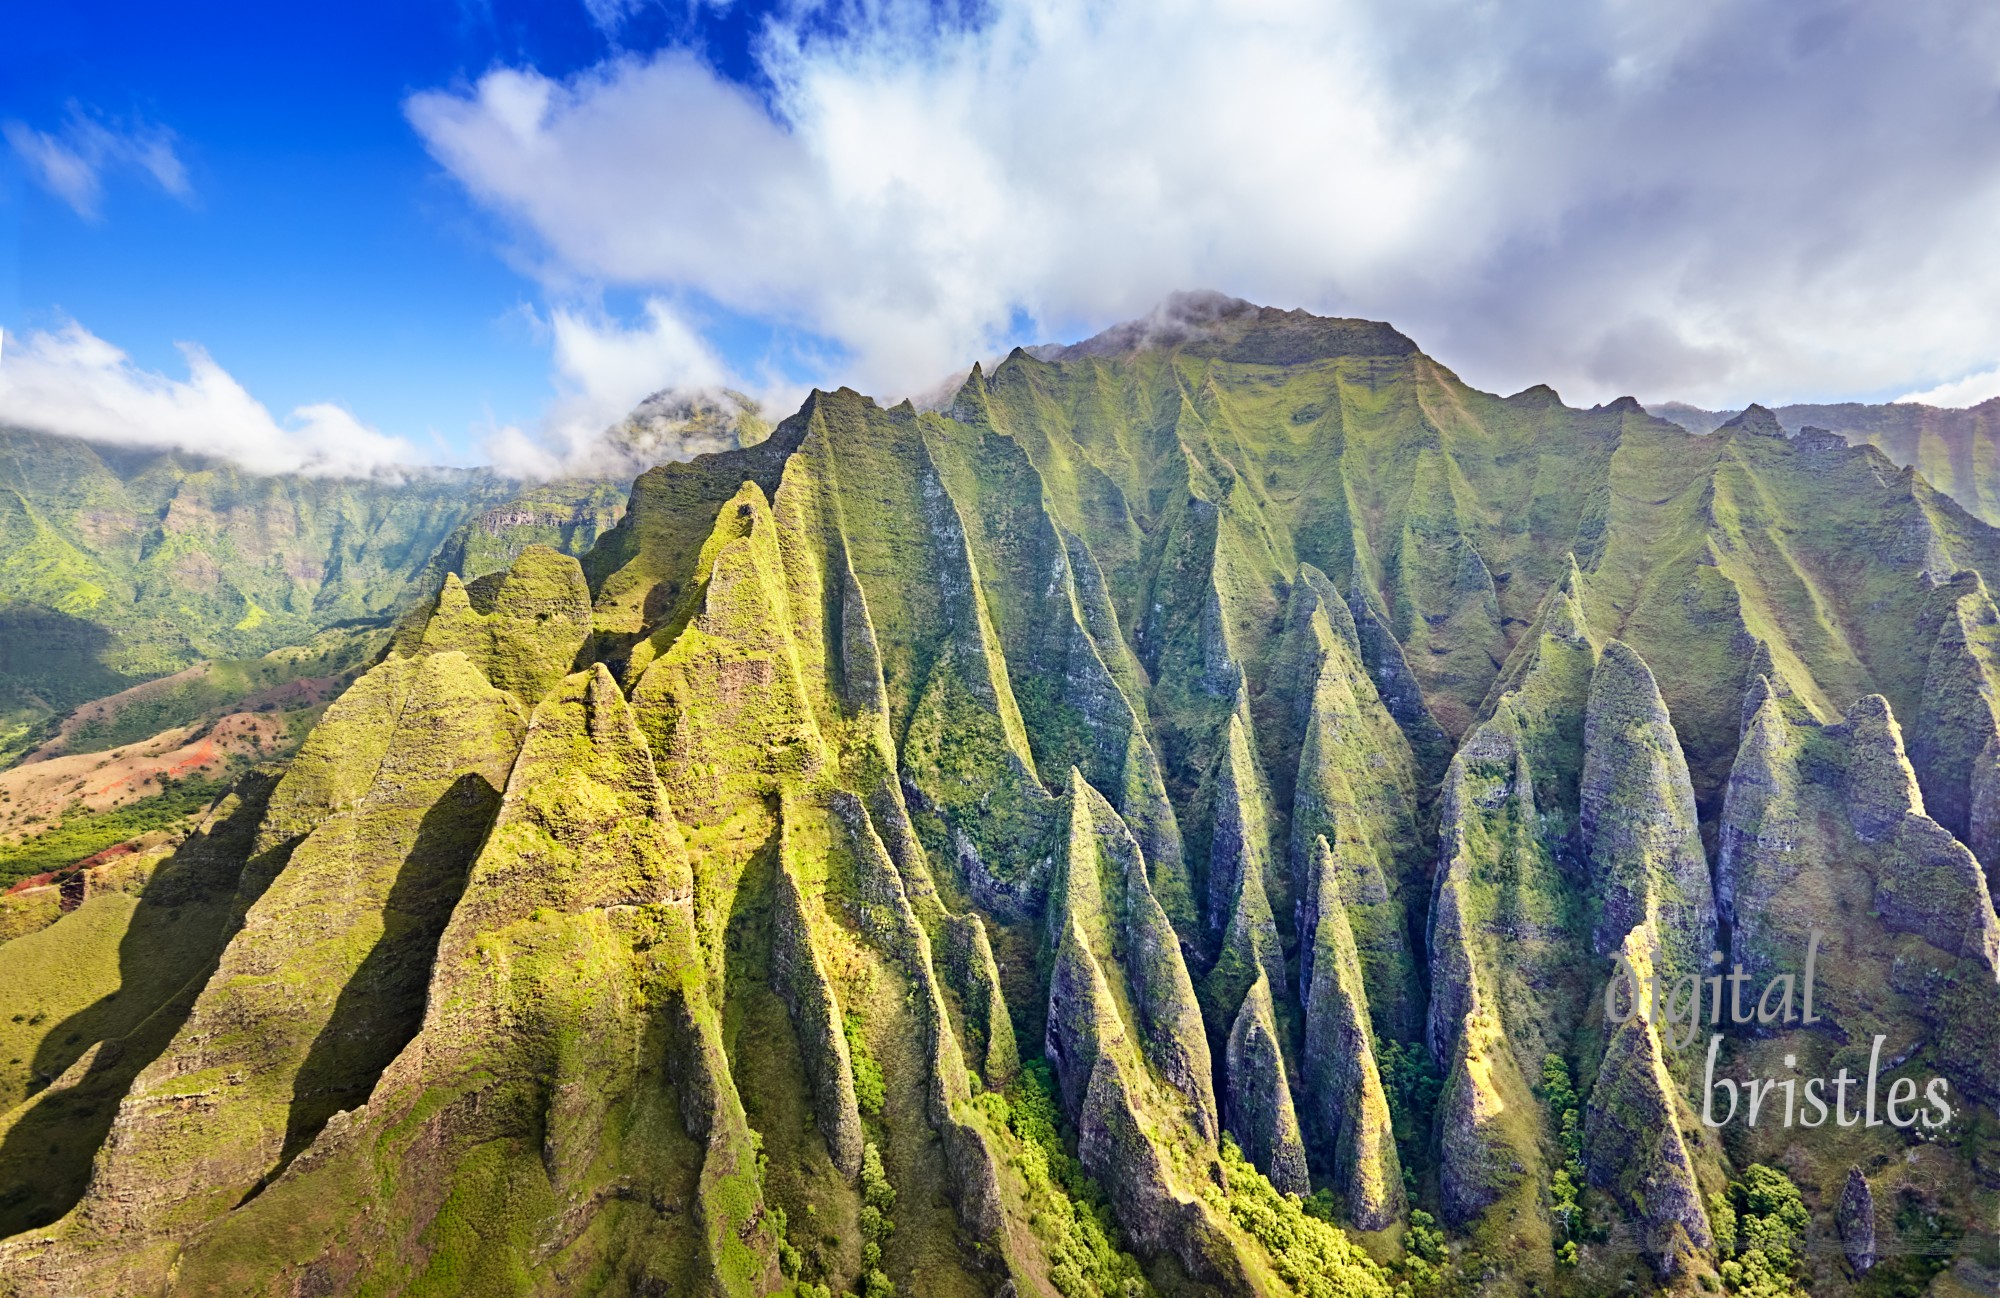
[(71, 381), (71, 161), (610, 15), (1968, 391), (603, 369), (1715, 201)]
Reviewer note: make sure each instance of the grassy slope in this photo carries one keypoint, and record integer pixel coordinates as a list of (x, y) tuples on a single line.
[(1957, 450)]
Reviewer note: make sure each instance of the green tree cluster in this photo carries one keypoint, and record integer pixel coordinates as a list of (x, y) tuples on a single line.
[(1316, 1259), (1566, 1184), (1071, 1218), (878, 1198), (1411, 1084), (81, 833), (1760, 1225)]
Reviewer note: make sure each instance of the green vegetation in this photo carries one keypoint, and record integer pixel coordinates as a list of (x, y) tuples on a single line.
[(1929, 1240), (869, 1089), (1770, 1223), (1315, 1259), (1267, 734), (1426, 1269), (1559, 1093), (291, 680), (878, 1200), (1411, 1083), (80, 834), (1952, 448), (1071, 1215), (116, 568)]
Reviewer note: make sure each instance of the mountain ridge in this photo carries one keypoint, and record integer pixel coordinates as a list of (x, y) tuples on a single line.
[(1952, 447), (1007, 850)]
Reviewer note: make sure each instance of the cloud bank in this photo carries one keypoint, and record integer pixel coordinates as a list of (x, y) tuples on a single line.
[(1968, 391), (70, 162), (1759, 199), (609, 417), (70, 381)]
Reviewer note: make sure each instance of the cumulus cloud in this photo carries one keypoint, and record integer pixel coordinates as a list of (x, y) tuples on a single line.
[(604, 369), (71, 381), (1717, 201), (70, 162), (1968, 391), (628, 395)]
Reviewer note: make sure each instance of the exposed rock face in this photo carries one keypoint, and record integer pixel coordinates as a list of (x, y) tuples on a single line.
[(1242, 838), (1481, 1158), (1446, 612), (1258, 1104), (1983, 818), (1105, 900), (1501, 942), (1390, 668), (1823, 831), (1633, 1148), (816, 1015), (1656, 909), (1855, 1218), (1953, 742), (1249, 945), (1342, 1078), (1356, 789), (1106, 1063), (1236, 994), (1638, 821)]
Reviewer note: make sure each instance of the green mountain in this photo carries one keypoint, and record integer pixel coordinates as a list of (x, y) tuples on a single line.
[(1957, 450), (118, 566), (1164, 824)]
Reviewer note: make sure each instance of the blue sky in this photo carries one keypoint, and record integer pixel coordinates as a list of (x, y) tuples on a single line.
[(462, 230), (320, 254)]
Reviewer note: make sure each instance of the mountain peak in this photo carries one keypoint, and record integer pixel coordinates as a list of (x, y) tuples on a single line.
[(1207, 323), (1755, 421), (679, 424)]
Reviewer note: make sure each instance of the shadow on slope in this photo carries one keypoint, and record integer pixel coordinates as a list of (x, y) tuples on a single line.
[(191, 907), (382, 1005)]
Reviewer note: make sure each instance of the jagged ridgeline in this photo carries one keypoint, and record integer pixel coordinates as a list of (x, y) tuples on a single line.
[(1162, 825)]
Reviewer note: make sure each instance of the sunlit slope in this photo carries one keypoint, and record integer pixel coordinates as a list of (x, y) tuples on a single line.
[(1011, 850)]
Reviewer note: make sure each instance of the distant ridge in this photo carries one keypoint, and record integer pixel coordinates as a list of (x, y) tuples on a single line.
[(1957, 449)]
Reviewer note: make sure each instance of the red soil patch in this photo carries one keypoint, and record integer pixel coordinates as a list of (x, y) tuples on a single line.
[(35, 796)]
